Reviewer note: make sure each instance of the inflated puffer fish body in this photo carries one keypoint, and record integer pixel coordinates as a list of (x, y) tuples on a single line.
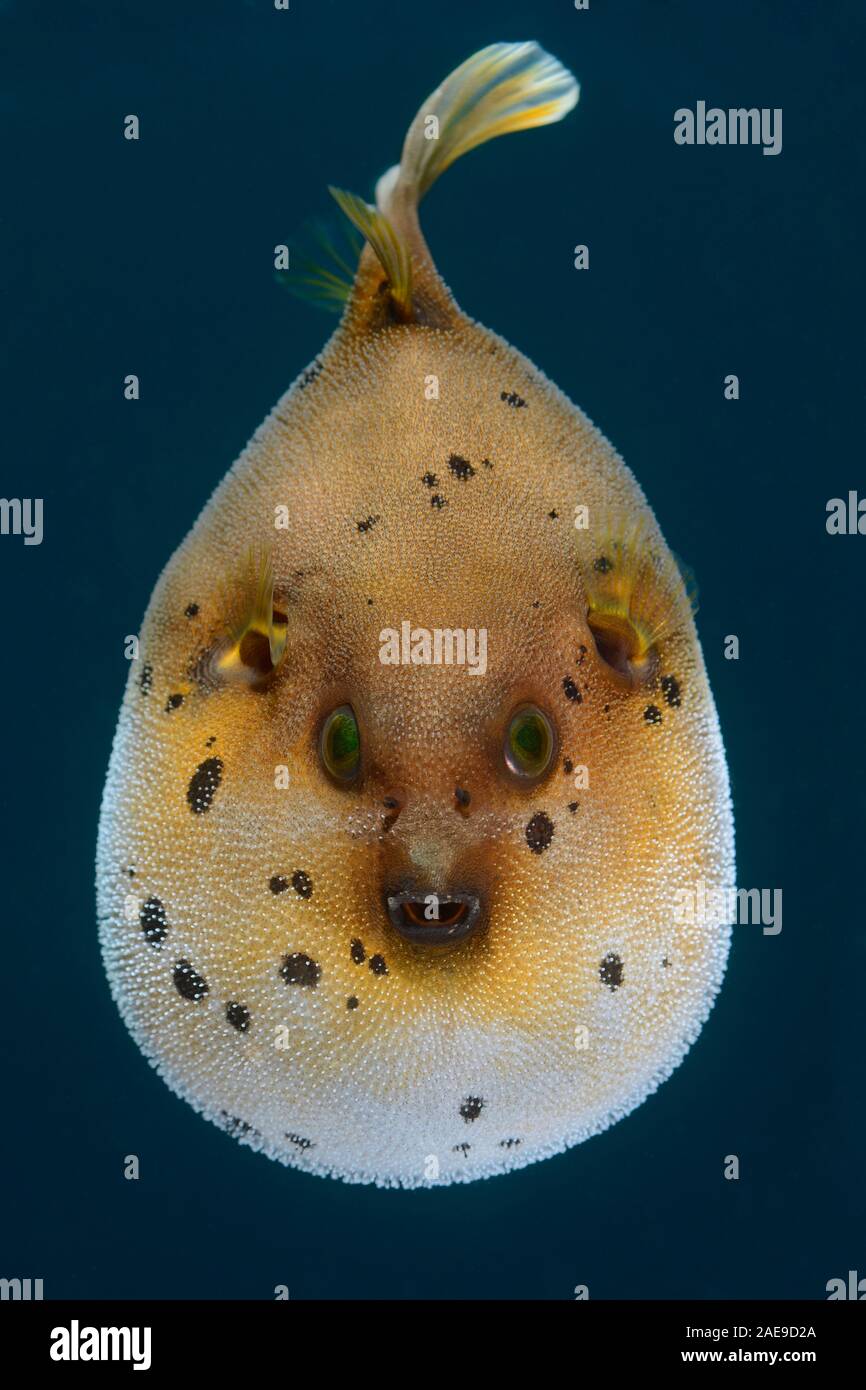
[(419, 756)]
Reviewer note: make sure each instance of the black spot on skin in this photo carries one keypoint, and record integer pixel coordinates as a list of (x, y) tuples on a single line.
[(145, 680), (461, 467), (378, 966), (652, 714), (605, 708), (238, 1016), (173, 702), (462, 797), (368, 524), (438, 502), (512, 398), (671, 691), (310, 374), (238, 1129), (602, 565), (572, 806), (298, 969), (610, 971), (485, 463), (508, 1143), (299, 1142), (539, 832), (536, 603), (461, 1149), (359, 955), (369, 603), (302, 884), (581, 653), (352, 1002), (203, 785), (191, 610), (188, 983), (471, 1108), (430, 480), (571, 690), (553, 515), (153, 920), (568, 767), (665, 962), (131, 873), (278, 884)]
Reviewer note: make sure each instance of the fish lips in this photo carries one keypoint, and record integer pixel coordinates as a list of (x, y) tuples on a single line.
[(459, 916)]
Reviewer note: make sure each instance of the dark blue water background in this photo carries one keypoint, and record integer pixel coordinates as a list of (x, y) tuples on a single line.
[(156, 258)]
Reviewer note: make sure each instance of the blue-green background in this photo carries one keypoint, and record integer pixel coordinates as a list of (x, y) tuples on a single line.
[(156, 258)]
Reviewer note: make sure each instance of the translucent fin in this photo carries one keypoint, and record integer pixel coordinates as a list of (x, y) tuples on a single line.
[(689, 578), (503, 88), (635, 594), (323, 265), (256, 632), (390, 248)]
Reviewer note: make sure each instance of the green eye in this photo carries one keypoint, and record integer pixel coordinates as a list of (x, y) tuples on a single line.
[(340, 744), (529, 742)]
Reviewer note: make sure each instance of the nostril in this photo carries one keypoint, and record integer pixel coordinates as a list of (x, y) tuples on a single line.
[(433, 919)]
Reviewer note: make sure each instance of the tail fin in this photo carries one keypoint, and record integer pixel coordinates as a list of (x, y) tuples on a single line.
[(503, 88)]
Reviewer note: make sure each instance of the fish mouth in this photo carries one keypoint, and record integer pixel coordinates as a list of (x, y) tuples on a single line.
[(433, 920)]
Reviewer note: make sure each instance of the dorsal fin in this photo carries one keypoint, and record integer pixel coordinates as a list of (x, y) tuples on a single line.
[(391, 250), (504, 87)]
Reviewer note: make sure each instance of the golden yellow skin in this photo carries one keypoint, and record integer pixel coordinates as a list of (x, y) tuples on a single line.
[(581, 992), (429, 475)]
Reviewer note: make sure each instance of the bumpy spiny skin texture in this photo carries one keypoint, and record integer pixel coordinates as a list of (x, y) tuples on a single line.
[(361, 1055)]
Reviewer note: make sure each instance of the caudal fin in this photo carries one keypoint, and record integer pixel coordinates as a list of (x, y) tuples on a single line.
[(503, 88)]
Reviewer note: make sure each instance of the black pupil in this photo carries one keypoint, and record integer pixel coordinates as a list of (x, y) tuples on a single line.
[(529, 738)]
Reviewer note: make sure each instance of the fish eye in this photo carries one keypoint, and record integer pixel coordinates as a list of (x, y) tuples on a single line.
[(340, 744), (529, 743)]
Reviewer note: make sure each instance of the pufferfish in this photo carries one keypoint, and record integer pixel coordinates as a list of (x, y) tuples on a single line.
[(379, 908)]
